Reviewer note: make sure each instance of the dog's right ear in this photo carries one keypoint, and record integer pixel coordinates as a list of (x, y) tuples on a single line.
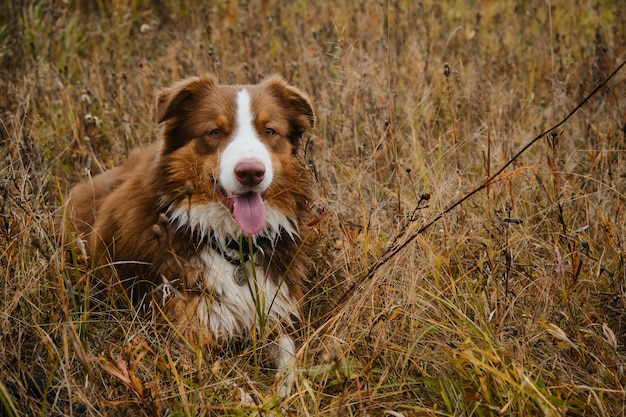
[(170, 101)]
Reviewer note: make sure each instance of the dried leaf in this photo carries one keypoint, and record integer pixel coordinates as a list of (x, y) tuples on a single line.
[(560, 334)]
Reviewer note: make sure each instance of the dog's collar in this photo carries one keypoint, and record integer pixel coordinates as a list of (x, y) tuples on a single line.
[(236, 251)]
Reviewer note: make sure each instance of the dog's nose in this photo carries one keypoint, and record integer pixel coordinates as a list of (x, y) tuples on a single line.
[(250, 172)]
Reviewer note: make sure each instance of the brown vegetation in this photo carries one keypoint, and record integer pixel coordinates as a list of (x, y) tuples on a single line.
[(511, 304)]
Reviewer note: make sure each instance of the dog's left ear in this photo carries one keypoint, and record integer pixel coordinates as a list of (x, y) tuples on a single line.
[(170, 100), (296, 103), (177, 102)]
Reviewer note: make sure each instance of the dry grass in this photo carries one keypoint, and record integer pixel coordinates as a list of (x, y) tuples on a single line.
[(512, 304)]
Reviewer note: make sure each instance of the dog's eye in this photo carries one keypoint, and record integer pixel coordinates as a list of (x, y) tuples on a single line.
[(214, 132), (270, 132)]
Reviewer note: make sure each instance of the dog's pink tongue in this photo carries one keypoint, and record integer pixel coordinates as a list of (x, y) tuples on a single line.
[(249, 212)]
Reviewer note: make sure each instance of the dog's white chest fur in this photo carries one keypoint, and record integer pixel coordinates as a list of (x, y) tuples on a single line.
[(228, 307), (231, 308)]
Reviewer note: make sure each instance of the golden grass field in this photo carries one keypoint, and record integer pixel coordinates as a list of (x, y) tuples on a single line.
[(511, 304)]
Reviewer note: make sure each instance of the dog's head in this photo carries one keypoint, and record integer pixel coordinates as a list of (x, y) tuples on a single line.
[(235, 145)]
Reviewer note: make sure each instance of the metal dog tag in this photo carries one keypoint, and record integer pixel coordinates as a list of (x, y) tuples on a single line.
[(240, 275)]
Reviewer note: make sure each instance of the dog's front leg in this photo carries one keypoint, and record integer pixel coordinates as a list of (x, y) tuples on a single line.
[(283, 351)]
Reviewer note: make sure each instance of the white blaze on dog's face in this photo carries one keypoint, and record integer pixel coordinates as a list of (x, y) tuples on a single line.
[(236, 147), (246, 169)]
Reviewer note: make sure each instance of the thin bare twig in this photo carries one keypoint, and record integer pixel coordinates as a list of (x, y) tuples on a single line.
[(396, 249)]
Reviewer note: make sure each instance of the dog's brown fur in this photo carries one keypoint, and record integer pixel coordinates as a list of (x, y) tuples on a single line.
[(123, 213)]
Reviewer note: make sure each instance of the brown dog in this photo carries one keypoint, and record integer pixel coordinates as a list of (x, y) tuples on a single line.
[(210, 222)]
